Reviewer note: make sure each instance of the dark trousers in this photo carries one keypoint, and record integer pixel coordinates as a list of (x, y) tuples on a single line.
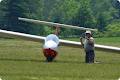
[(89, 58)]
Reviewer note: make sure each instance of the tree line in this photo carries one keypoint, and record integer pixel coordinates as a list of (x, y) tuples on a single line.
[(103, 15)]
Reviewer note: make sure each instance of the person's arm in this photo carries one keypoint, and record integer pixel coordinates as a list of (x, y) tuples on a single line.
[(57, 30), (81, 40), (90, 41)]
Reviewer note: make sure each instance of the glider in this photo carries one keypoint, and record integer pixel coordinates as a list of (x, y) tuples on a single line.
[(36, 38)]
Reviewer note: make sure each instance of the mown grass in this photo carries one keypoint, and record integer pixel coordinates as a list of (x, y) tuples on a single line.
[(110, 41), (23, 60)]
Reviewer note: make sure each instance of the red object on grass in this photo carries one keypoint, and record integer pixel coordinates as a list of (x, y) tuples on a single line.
[(49, 53)]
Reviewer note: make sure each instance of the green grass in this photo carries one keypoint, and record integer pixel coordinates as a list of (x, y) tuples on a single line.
[(23, 60), (110, 41)]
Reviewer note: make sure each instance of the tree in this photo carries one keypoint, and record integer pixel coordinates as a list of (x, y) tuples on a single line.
[(83, 13), (101, 23), (113, 29), (18, 8), (116, 5), (84, 16)]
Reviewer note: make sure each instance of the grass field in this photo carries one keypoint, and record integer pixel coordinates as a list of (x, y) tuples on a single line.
[(111, 41), (23, 60)]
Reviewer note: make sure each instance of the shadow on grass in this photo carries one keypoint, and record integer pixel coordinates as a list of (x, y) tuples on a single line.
[(55, 61), (72, 62), (82, 62), (11, 59), (42, 61)]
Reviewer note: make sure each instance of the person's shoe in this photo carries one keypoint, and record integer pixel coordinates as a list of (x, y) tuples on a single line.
[(49, 59)]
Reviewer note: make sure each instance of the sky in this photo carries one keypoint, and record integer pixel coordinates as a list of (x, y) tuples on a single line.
[(119, 0), (0, 0)]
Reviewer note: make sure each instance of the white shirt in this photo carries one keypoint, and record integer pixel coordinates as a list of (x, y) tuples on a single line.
[(52, 42), (87, 46)]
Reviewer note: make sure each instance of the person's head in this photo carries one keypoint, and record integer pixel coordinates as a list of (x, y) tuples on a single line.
[(88, 34)]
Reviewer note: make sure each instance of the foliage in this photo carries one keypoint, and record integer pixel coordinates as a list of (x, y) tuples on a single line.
[(114, 28), (86, 13)]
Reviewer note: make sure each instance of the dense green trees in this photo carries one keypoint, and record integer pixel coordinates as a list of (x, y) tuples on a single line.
[(101, 14), (12, 9)]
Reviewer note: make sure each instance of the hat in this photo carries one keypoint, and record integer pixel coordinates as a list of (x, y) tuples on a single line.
[(88, 32)]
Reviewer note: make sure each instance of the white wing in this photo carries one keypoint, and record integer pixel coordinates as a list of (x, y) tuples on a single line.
[(55, 24), (35, 38), (62, 42), (97, 46)]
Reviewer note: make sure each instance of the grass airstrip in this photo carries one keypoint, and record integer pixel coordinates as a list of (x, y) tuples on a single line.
[(23, 60)]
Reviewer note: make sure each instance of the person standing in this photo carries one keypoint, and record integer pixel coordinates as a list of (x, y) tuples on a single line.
[(88, 45), (50, 45)]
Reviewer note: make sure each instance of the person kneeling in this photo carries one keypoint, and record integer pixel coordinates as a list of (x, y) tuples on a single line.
[(51, 45)]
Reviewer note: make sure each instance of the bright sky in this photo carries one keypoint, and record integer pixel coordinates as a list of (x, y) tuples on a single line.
[(119, 0), (0, 0)]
